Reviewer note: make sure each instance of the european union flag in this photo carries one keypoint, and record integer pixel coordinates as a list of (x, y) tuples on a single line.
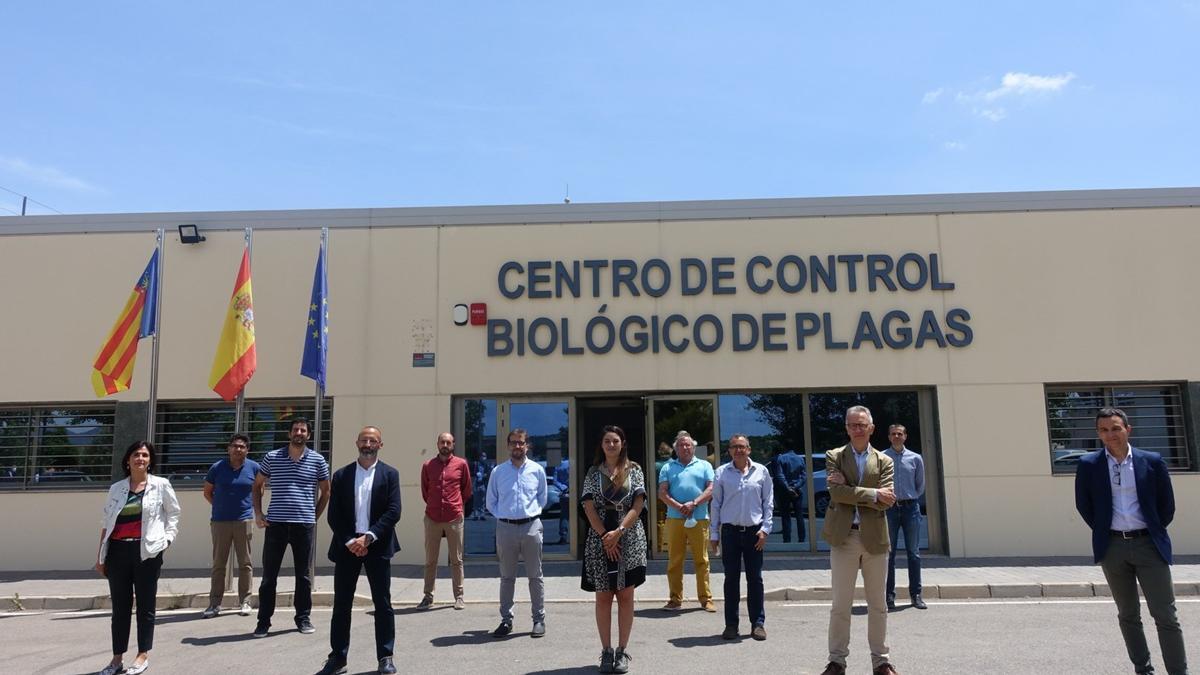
[(316, 333)]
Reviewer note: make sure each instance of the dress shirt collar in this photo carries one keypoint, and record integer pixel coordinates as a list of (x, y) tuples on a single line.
[(1128, 455)]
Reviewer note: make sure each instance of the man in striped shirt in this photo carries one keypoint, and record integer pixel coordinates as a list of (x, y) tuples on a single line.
[(292, 472)]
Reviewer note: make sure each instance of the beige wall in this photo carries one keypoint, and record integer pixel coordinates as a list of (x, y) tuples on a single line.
[(1072, 296)]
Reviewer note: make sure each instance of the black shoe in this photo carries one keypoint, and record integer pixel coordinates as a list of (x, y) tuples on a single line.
[(503, 629), (606, 660), (539, 629), (918, 602), (305, 627), (891, 604), (262, 629), (731, 633), (386, 665), (333, 667)]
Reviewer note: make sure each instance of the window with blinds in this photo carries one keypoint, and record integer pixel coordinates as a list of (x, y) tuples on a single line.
[(56, 446), (1156, 413), (191, 435)]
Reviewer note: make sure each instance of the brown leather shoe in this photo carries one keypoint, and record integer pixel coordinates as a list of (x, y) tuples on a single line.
[(834, 669), (673, 606), (759, 633), (885, 669), (708, 606)]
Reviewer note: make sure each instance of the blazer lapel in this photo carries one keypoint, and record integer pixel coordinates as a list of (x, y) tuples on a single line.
[(850, 466)]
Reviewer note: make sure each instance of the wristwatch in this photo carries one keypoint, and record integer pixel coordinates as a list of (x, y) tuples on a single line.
[(621, 529)]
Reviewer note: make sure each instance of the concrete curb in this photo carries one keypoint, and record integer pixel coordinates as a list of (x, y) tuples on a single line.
[(76, 603)]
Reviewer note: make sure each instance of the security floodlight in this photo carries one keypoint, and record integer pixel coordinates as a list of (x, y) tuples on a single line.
[(190, 234)]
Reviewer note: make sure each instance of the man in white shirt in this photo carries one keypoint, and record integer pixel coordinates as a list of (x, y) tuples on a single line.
[(516, 495)]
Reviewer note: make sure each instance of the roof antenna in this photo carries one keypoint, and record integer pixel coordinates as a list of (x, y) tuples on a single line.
[(567, 197)]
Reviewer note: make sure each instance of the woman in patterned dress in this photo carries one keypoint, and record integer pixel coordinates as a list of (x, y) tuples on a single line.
[(614, 557)]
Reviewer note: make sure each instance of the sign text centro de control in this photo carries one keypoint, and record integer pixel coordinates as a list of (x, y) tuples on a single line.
[(792, 275)]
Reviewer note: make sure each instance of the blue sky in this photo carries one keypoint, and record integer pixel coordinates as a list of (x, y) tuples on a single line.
[(140, 106)]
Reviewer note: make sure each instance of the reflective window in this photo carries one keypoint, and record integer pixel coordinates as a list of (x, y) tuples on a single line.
[(548, 427), (1155, 412), (478, 444), (192, 435), (56, 447)]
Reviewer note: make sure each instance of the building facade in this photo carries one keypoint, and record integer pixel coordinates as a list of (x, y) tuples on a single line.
[(990, 325)]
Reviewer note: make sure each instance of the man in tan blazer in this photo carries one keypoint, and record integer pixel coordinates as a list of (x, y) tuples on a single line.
[(860, 490)]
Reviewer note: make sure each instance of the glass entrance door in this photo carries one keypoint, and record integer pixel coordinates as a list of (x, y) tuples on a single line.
[(549, 425), (481, 427), (666, 417)]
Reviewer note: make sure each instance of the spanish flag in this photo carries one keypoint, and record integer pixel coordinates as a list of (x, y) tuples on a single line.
[(112, 371), (235, 361)]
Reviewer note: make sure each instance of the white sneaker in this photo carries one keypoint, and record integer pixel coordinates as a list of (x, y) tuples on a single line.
[(246, 609), (136, 669), (212, 611), (112, 669)]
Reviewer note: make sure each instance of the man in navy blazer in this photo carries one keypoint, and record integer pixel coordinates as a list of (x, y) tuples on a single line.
[(1124, 494), (364, 507)]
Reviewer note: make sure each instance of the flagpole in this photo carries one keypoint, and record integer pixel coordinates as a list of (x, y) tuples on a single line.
[(239, 403), (152, 402), (319, 396)]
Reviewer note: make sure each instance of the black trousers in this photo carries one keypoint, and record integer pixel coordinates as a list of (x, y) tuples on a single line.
[(346, 569), (128, 577), (278, 537)]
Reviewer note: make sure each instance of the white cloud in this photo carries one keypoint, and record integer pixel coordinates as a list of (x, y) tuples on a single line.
[(993, 114), (1020, 84), (46, 175), (932, 96), (954, 146)]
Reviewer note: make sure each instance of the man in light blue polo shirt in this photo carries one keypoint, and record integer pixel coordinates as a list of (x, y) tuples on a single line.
[(228, 487), (685, 486)]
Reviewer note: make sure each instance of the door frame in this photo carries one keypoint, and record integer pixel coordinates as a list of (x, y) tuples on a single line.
[(652, 447)]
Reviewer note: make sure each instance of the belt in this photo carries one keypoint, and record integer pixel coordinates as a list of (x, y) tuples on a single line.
[(1131, 534), (741, 528), (517, 521)]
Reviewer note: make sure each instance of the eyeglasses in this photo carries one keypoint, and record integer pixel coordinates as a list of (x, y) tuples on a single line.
[(517, 443), (857, 425), (738, 446)]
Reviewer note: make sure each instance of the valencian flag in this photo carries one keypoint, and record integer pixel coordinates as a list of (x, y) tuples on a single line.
[(235, 361), (316, 333), (113, 369)]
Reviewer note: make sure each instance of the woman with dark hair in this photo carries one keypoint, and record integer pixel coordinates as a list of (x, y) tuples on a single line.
[(141, 519), (614, 557)]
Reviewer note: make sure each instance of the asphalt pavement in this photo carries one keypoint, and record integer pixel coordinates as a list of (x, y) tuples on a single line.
[(1061, 636)]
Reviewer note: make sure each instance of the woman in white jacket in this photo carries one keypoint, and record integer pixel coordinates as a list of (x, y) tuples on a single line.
[(141, 519)]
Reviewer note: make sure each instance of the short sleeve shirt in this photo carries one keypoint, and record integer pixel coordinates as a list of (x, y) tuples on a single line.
[(292, 485), (232, 490), (685, 483)]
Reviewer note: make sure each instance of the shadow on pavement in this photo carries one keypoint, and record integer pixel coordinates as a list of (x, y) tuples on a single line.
[(577, 670), (211, 640), (471, 637), (659, 613), (702, 641)]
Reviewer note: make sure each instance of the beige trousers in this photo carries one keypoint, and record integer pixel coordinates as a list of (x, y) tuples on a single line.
[(453, 532), (844, 562), (227, 534)]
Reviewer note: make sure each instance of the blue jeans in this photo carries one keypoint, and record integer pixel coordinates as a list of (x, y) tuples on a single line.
[(905, 516), (737, 550)]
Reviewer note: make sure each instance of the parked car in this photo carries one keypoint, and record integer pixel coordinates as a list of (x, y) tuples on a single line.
[(553, 494), (58, 476)]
